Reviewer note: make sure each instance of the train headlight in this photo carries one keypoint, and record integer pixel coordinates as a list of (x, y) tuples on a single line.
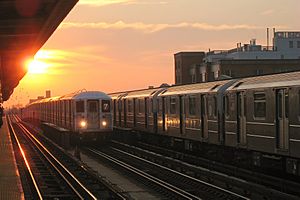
[(83, 124), (104, 123)]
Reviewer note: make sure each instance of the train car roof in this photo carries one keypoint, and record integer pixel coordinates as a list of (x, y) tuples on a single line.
[(274, 80), (194, 88), (117, 95), (86, 95), (143, 93), (76, 96)]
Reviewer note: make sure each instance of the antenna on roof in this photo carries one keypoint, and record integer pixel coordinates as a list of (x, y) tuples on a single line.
[(273, 38), (267, 39), (79, 91)]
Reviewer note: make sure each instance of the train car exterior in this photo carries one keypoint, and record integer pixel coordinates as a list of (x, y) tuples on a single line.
[(258, 116), (87, 112), (184, 111), (266, 117)]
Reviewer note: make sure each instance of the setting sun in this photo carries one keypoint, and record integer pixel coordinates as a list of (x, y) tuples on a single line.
[(37, 67)]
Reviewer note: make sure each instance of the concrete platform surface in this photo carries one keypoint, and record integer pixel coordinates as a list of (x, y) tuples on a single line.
[(10, 184)]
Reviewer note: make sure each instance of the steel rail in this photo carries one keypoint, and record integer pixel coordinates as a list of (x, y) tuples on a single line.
[(43, 149), (161, 183), (181, 174), (25, 159)]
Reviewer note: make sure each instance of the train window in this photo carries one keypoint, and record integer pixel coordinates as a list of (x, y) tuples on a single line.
[(129, 105), (141, 105), (299, 103), (192, 105), (151, 106), (215, 106), (245, 105), (173, 106), (119, 104), (93, 106), (227, 106), (80, 106), (160, 106), (105, 105), (259, 105), (286, 104)]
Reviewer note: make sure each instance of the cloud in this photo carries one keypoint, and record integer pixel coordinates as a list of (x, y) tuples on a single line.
[(151, 28), (61, 60), (267, 12), (103, 2), (147, 2), (126, 2)]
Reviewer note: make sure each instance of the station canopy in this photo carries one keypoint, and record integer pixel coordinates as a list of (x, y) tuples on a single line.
[(25, 26)]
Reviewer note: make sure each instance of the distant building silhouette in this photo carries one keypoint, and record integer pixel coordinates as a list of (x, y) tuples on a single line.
[(48, 93)]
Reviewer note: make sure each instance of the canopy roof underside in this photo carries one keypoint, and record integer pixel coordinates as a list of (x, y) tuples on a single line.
[(25, 25)]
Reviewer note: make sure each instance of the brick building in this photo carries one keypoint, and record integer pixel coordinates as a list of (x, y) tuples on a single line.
[(187, 66), (247, 60)]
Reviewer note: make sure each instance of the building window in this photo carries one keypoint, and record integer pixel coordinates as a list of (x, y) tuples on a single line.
[(193, 78), (291, 44), (217, 74), (192, 105), (298, 44), (228, 72), (259, 71), (260, 105), (173, 106), (193, 74), (203, 77)]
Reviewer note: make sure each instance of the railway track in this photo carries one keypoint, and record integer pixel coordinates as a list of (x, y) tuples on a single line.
[(49, 176), (254, 190), (172, 184)]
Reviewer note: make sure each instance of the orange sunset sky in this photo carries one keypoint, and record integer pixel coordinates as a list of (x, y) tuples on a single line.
[(115, 45)]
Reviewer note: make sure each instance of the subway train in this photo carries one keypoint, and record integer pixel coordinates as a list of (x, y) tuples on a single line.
[(87, 113), (254, 121)]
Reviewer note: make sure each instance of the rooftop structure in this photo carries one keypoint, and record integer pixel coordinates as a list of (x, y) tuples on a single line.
[(286, 45), (245, 60)]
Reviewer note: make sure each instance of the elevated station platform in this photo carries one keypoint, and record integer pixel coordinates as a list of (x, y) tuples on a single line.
[(10, 183)]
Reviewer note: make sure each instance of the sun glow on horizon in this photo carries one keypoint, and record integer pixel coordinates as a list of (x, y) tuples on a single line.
[(38, 65)]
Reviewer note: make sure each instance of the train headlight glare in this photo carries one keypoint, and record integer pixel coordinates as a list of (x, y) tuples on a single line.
[(104, 123), (83, 124)]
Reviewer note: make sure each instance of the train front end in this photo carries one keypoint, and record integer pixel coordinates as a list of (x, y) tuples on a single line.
[(93, 116)]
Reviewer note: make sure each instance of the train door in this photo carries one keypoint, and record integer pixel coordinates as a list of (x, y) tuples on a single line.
[(146, 112), (181, 115), (203, 115), (134, 112), (93, 114), (282, 118), (115, 111), (163, 114), (241, 117), (155, 111), (120, 112), (125, 112)]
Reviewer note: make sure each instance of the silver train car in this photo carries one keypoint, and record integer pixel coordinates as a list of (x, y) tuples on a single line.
[(255, 120), (88, 113)]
